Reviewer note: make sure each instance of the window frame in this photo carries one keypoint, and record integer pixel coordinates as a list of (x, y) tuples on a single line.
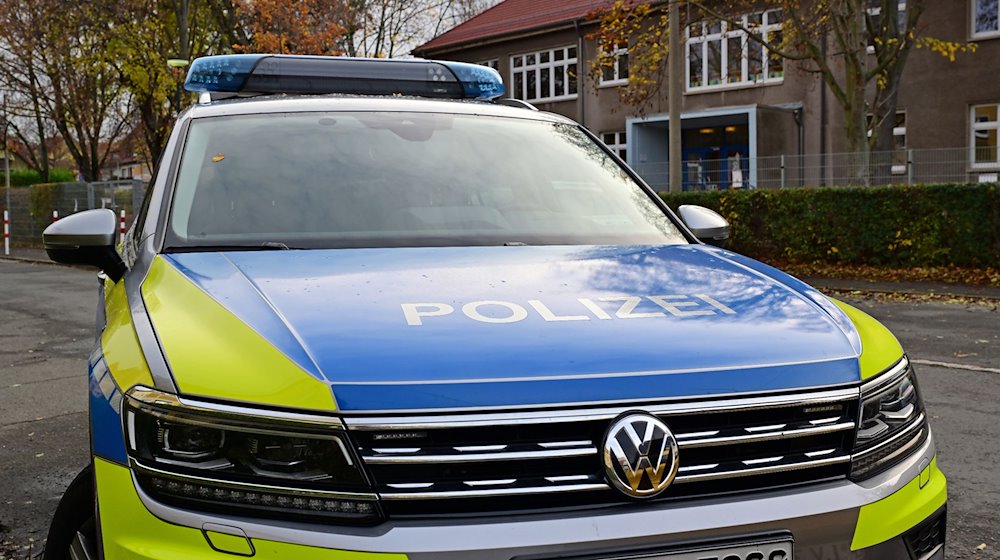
[(616, 53), (493, 63), (620, 145), (723, 36), (552, 65), (986, 127), (899, 132), (972, 23), (876, 11)]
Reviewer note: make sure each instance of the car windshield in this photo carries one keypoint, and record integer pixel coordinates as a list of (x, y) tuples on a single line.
[(304, 180)]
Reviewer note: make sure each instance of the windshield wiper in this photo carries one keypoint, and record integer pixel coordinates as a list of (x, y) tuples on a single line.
[(264, 246)]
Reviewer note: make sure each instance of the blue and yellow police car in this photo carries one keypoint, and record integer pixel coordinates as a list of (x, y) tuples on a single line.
[(370, 310)]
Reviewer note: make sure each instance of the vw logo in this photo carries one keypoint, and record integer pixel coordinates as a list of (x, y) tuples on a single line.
[(640, 455)]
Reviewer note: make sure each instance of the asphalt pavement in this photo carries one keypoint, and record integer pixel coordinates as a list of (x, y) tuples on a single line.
[(47, 330)]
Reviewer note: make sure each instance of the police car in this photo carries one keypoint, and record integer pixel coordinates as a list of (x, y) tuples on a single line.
[(371, 310)]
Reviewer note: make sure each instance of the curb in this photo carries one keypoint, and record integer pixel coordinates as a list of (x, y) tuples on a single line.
[(43, 262)]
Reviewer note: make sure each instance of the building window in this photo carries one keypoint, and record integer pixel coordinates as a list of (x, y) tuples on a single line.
[(545, 75), (985, 18), (617, 72), (719, 56), (492, 63), (875, 11), (899, 145), (616, 142), (984, 136), (897, 154)]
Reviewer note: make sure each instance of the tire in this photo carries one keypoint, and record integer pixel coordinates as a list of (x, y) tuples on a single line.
[(73, 532)]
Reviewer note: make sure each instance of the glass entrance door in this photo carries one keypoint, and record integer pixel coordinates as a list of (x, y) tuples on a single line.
[(716, 157)]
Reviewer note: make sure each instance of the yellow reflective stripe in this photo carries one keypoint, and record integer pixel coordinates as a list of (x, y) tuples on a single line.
[(213, 353), (879, 348), (130, 532), (902, 510), (120, 344)]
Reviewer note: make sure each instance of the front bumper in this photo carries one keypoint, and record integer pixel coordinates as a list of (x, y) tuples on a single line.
[(831, 520)]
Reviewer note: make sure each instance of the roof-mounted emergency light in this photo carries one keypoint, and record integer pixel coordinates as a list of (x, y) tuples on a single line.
[(249, 74)]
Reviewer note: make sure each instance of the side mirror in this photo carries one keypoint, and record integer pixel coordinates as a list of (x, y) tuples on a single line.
[(86, 237), (707, 225)]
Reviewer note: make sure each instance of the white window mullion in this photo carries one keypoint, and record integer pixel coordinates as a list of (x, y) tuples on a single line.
[(765, 56), (687, 60), (704, 58), (745, 49), (724, 54)]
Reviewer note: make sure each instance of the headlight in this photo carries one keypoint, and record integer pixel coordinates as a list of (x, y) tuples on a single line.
[(217, 457), (891, 421)]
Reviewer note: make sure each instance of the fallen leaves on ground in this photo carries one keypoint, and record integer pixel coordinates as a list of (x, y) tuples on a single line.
[(910, 297), (989, 276)]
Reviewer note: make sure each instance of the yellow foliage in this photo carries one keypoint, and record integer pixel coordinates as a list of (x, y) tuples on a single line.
[(947, 49)]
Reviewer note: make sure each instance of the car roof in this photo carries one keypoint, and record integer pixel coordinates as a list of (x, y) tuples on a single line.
[(356, 103)]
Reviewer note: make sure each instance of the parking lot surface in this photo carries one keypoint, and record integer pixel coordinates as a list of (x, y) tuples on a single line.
[(47, 330)]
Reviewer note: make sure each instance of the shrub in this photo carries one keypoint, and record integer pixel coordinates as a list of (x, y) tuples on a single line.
[(27, 177), (898, 226)]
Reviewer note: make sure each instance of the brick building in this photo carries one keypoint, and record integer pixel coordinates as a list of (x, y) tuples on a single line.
[(747, 116)]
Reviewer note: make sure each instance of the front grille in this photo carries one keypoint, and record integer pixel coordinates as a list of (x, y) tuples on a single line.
[(451, 464)]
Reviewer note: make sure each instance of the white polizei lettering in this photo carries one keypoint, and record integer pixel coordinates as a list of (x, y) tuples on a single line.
[(711, 301), (627, 310), (678, 301), (413, 313), (517, 313), (548, 315), (594, 308)]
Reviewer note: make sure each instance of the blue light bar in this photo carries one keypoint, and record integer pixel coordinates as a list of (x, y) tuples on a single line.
[(479, 82), (251, 74), (220, 73)]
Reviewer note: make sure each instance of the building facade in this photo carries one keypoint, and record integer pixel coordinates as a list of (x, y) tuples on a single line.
[(749, 118)]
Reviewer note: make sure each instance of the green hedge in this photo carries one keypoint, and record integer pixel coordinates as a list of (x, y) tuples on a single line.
[(898, 226), (26, 177)]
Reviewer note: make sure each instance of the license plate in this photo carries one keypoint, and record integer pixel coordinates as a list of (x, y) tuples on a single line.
[(763, 550)]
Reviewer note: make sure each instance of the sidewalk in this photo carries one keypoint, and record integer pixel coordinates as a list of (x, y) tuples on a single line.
[(25, 254)]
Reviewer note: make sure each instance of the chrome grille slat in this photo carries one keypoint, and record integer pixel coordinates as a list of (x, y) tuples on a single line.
[(477, 457), (557, 487), (563, 444), (494, 492), (763, 436), (783, 467), (393, 423), (565, 449)]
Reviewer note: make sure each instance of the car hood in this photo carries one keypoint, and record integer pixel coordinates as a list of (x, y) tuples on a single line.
[(428, 328)]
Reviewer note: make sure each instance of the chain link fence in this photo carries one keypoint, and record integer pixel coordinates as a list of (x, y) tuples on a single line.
[(907, 167), (35, 207)]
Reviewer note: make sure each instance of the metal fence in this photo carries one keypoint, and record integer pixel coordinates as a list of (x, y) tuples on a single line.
[(908, 167), (33, 208)]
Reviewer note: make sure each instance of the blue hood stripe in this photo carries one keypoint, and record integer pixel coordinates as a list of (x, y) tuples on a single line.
[(226, 284), (638, 387)]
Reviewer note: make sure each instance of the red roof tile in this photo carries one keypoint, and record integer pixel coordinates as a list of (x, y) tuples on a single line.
[(512, 16)]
